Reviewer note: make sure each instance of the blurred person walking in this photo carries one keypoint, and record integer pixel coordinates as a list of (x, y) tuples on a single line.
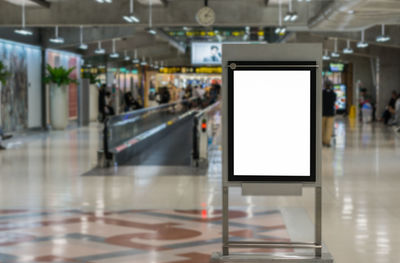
[(390, 108), (328, 113)]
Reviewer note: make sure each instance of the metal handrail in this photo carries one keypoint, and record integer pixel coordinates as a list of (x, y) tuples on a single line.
[(195, 145), (128, 117)]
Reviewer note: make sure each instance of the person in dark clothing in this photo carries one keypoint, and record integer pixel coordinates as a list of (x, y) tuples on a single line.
[(109, 109), (390, 108), (328, 113), (102, 102), (164, 95), (3, 137), (131, 103)]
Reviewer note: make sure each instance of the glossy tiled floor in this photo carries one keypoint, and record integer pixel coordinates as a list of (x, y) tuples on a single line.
[(42, 174)]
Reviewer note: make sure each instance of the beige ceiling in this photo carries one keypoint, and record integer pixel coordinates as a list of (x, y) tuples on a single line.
[(19, 2), (353, 15)]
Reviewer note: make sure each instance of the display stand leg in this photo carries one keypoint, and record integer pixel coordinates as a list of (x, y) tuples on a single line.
[(225, 220), (318, 220)]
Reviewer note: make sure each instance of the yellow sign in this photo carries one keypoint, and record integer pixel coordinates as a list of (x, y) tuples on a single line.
[(199, 70)]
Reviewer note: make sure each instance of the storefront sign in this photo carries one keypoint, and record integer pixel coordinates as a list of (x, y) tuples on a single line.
[(199, 70)]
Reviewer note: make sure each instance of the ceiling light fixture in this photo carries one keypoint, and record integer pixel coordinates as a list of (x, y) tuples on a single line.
[(104, 1), (56, 39), (290, 16), (143, 63), (280, 30), (135, 57), (82, 45), (151, 30), (335, 53), (162, 64), (114, 54), (23, 31), (362, 43), (382, 37), (131, 18), (326, 55), (99, 49), (156, 65), (126, 57), (348, 49)]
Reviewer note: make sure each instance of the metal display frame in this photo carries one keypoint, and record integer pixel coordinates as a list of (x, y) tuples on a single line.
[(286, 55), (309, 66)]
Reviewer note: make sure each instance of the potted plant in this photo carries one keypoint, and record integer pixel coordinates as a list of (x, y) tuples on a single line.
[(4, 74), (59, 79), (93, 96)]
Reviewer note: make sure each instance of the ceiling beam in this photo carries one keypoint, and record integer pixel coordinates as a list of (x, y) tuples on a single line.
[(42, 3)]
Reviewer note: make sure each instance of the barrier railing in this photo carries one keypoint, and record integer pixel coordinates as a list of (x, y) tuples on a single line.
[(205, 124), (119, 130), (122, 131)]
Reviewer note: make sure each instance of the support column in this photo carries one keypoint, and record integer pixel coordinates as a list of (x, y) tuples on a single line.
[(225, 220), (318, 220)]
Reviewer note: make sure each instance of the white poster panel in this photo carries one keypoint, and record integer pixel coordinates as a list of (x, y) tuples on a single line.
[(272, 123)]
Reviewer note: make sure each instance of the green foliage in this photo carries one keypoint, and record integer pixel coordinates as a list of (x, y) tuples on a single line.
[(4, 74), (59, 76), (92, 77)]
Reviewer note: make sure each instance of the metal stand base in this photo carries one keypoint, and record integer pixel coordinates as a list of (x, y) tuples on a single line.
[(271, 258)]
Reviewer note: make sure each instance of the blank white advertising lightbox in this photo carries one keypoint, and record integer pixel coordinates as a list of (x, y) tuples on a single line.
[(272, 123)]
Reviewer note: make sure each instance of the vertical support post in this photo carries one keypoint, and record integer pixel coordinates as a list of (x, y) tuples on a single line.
[(225, 220), (44, 91), (378, 85), (318, 220)]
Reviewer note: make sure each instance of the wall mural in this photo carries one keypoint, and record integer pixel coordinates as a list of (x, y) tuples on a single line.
[(14, 94)]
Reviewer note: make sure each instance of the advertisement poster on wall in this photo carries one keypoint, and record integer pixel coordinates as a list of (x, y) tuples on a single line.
[(15, 105), (206, 53)]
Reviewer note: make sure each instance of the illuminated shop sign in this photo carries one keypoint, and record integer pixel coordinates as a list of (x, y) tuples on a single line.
[(336, 67), (199, 70)]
